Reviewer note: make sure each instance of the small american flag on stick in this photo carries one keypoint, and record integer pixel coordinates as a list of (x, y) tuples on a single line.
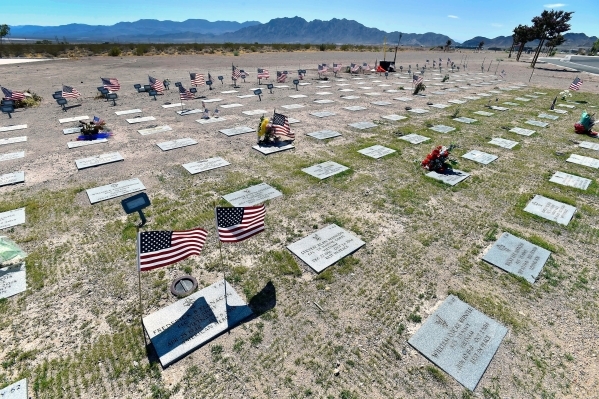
[(239, 223), (111, 84), (185, 94), (236, 74), (336, 67), (416, 80), (263, 73), (354, 68), (70, 92), (12, 95), (156, 84), (576, 83), (281, 76), (162, 248), (280, 127), (197, 79)]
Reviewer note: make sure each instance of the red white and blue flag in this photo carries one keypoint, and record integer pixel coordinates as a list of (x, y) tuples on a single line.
[(239, 223), (162, 248), (263, 73), (280, 127), (197, 79), (111, 84), (354, 68), (281, 76), (12, 95), (576, 83), (70, 92), (416, 80), (336, 67), (156, 84), (236, 73), (185, 94)]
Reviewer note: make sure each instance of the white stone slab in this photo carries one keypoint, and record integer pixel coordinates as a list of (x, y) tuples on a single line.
[(404, 99), (322, 114), (18, 390), (531, 96), (394, 117), (585, 161), (247, 96), (547, 116), (12, 218), (293, 106), (10, 128), (511, 103), (225, 106), (440, 106), (392, 91), (325, 247), (480, 157), (451, 178), (253, 195), (71, 130), (129, 111), (255, 112), (324, 134), (237, 130), (465, 120), (523, 99), (539, 93), (373, 94), (414, 138), (211, 120), (102, 193), (363, 125), (152, 130), (205, 165), (559, 111), (12, 178), (12, 282), (418, 111), (384, 85), (142, 119), (550, 209), (183, 326), (355, 108), (381, 103), (442, 128), (439, 93), (566, 179), (282, 86), (522, 132), (324, 101), (173, 105), (457, 101), (12, 155), (298, 96), (376, 151), (589, 145), (98, 160), (537, 123), (365, 87), (84, 143), (472, 98), (323, 93), (292, 120), (494, 91), (212, 100), (498, 141), (229, 92), (324, 170), (73, 119), (13, 140), (484, 113), (497, 108), (483, 95), (350, 97), (322, 87), (566, 106), (304, 84), (189, 111), (178, 143), (273, 149)]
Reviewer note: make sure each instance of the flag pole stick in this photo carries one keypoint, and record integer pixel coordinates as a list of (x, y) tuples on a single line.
[(220, 250), (497, 67), (533, 71), (141, 314)]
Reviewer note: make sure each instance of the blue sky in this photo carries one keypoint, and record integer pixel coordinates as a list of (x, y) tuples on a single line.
[(459, 19)]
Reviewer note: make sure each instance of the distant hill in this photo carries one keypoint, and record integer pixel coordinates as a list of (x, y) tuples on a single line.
[(573, 40)]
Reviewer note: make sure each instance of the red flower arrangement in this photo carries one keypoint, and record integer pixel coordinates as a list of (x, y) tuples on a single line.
[(438, 160)]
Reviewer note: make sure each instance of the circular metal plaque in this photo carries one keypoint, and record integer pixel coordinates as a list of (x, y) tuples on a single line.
[(184, 286)]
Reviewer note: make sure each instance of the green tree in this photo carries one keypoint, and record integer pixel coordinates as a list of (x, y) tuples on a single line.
[(548, 26), (554, 42), (4, 31), (480, 45), (447, 45), (595, 48)]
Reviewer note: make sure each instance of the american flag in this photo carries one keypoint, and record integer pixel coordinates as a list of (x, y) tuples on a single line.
[(416, 80), (12, 95), (322, 68), (576, 83), (197, 79), (263, 73), (281, 76), (280, 127), (236, 74), (97, 120), (162, 248), (336, 67), (240, 223), (366, 67), (185, 94), (156, 84), (354, 68), (70, 92), (503, 73), (111, 84)]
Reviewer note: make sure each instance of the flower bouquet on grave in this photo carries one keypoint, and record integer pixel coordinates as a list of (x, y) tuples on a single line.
[(419, 87), (445, 78), (565, 94), (275, 132), (585, 125), (94, 130), (439, 159)]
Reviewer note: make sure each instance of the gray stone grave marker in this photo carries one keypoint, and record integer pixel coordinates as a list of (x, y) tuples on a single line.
[(10, 128), (247, 96), (234, 105), (324, 134), (381, 103), (109, 191), (12, 155), (18, 390), (272, 149), (376, 151), (522, 132), (98, 160), (440, 106), (346, 90), (293, 120), (322, 87), (73, 119), (547, 116), (212, 100), (550, 209), (13, 140), (483, 95), (142, 119), (298, 96), (189, 111), (480, 157), (589, 145), (211, 120), (465, 120), (255, 112), (282, 86), (84, 143), (183, 326), (539, 93), (559, 111), (324, 170), (12, 218), (584, 161), (355, 108), (496, 108), (418, 111), (173, 105), (439, 93), (495, 91), (12, 282), (566, 106), (566, 179), (460, 340), (484, 113), (392, 91), (325, 247), (253, 195), (452, 178), (12, 178), (537, 123), (363, 125), (350, 97), (229, 92), (205, 165), (129, 111), (523, 99), (71, 130), (152, 130), (472, 98), (178, 143), (504, 143), (531, 96), (442, 128), (364, 88), (511, 103), (323, 93), (404, 99), (394, 117), (237, 130), (293, 106), (373, 94), (414, 138), (322, 114), (457, 101), (324, 101)]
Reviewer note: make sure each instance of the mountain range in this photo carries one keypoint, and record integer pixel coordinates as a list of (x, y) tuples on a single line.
[(278, 30)]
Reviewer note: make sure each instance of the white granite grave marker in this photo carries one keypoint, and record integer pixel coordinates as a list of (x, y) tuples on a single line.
[(12, 178), (376, 151), (142, 119), (12, 218), (253, 195), (13, 140), (324, 170), (12, 282), (498, 141), (480, 157), (237, 130), (97, 160), (102, 193), (566, 179), (414, 138), (205, 165), (178, 143), (152, 130), (584, 161)]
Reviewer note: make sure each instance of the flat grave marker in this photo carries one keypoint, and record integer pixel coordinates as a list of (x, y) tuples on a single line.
[(98, 160), (213, 100), (12, 178), (394, 117), (456, 101), (504, 143), (531, 96), (247, 96), (566, 106), (129, 111), (152, 130), (255, 112), (323, 86), (472, 98), (497, 108), (323, 114), (324, 101), (18, 390), (142, 119), (211, 120), (589, 145), (439, 106), (304, 84), (282, 86), (559, 111), (522, 132), (381, 103), (73, 119), (298, 96), (253, 195), (12, 282), (12, 218), (484, 113), (174, 144), (418, 111), (324, 170), (346, 90), (465, 120), (376, 151), (537, 123), (293, 106), (566, 179), (183, 326), (10, 128), (355, 108), (452, 178), (483, 95), (324, 134), (373, 94), (511, 103), (237, 130), (495, 91), (584, 161), (205, 165), (404, 99), (13, 140), (442, 128), (109, 191), (229, 92), (12, 155), (523, 99), (550, 209), (414, 138), (272, 149), (184, 112), (363, 125), (480, 157), (547, 116), (84, 143), (234, 105), (323, 248), (323, 93), (173, 105), (293, 120), (350, 97), (460, 340), (71, 130)]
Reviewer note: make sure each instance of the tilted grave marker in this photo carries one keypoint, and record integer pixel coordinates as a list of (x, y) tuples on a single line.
[(324, 170), (550, 209), (205, 165), (451, 178), (12, 218), (174, 144), (12, 178), (98, 160), (12, 282), (566, 179), (253, 195), (414, 138), (109, 191)]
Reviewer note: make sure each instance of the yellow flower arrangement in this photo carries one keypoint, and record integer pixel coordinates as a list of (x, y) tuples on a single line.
[(262, 127)]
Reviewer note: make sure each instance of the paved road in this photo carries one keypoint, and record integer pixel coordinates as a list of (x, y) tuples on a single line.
[(579, 63)]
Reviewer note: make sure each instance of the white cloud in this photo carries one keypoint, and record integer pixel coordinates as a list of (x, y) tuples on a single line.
[(452, 16), (554, 5), (496, 25)]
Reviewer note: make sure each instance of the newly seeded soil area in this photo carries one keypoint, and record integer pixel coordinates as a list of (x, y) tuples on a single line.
[(76, 331)]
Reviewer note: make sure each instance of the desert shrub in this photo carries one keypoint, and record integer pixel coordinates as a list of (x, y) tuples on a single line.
[(114, 52)]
